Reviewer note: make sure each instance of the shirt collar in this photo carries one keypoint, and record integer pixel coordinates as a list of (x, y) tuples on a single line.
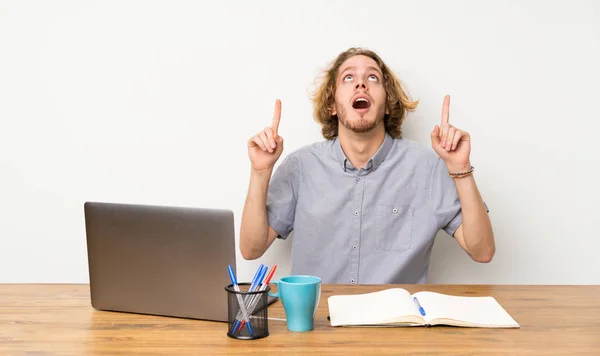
[(373, 163)]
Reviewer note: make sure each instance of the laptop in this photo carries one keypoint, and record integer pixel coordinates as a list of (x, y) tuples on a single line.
[(160, 260)]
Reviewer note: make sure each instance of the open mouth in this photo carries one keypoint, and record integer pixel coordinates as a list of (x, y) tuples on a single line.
[(361, 103)]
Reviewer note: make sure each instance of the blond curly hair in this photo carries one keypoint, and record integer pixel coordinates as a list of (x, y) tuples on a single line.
[(398, 100)]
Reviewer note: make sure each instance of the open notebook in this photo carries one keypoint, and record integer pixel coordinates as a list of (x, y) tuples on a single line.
[(397, 307)]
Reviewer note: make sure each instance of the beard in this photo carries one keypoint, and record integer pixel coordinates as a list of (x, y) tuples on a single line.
[(362, 124)]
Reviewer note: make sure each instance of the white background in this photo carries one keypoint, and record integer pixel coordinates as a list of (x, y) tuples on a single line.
[(153, 102)]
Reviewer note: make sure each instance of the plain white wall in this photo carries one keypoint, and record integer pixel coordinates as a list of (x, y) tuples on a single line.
[(153, 102)]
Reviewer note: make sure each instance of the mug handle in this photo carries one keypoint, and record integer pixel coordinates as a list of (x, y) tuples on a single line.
[(276, 295)]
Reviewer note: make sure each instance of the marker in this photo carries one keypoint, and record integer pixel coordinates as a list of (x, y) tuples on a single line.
[(421, 310), (239, 298)]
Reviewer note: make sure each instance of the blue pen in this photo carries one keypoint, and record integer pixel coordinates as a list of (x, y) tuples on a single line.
[(256, 282), (237, 323), (261, 279), (263, 285), (257, 274), (421, 310), (239, 298)]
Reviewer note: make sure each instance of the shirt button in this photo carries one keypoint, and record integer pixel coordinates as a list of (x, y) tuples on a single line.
[(356, 213), (395, 211), (352, 281), (359, 178), (354, 247)]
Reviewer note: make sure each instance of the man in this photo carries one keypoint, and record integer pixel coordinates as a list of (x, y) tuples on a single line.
[(365, 204)]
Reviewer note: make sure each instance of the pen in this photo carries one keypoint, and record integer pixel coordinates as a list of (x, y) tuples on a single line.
[(239, 322), (258, 278), (260, 275), (256, 298), (239, 298), (421, 310), (264, 286)]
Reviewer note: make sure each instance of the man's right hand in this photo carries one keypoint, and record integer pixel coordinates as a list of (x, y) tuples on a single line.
[(265, 147)]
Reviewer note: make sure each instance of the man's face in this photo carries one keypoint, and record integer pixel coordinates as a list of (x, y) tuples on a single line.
[(360, 98)]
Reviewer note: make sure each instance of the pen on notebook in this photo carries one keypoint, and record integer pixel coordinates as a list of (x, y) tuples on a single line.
[(240, 321), (256, 282), (421, 310), (239, 298)]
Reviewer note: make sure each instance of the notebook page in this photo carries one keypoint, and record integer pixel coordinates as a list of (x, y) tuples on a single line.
[(371, 308), (471, 311)]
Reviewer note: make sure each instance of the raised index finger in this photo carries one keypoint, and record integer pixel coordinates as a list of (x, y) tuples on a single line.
[(446, 111), (276, 117)]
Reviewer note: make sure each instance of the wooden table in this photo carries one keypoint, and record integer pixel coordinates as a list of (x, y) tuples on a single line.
[(58, 320)]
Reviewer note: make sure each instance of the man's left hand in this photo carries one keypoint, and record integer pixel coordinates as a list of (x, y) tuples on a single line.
[(451, 144)]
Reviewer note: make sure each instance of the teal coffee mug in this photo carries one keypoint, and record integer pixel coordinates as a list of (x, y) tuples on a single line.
[(300, 296)]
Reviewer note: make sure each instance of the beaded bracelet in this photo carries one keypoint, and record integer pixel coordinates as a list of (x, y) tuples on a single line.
[(463, 174)]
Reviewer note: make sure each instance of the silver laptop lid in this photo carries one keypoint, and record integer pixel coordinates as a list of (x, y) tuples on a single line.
[(159, 260)]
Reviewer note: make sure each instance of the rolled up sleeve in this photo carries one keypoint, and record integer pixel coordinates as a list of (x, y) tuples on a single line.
[(282, 197), (444, 199)]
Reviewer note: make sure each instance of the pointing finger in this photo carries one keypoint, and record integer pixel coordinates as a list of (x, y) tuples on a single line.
[(276, 117), (445, 118), (446, 110)]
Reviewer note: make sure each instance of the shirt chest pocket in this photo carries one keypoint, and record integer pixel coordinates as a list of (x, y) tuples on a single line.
[(394, 227)]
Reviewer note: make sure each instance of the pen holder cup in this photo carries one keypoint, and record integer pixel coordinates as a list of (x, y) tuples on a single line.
[(244, 305)]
